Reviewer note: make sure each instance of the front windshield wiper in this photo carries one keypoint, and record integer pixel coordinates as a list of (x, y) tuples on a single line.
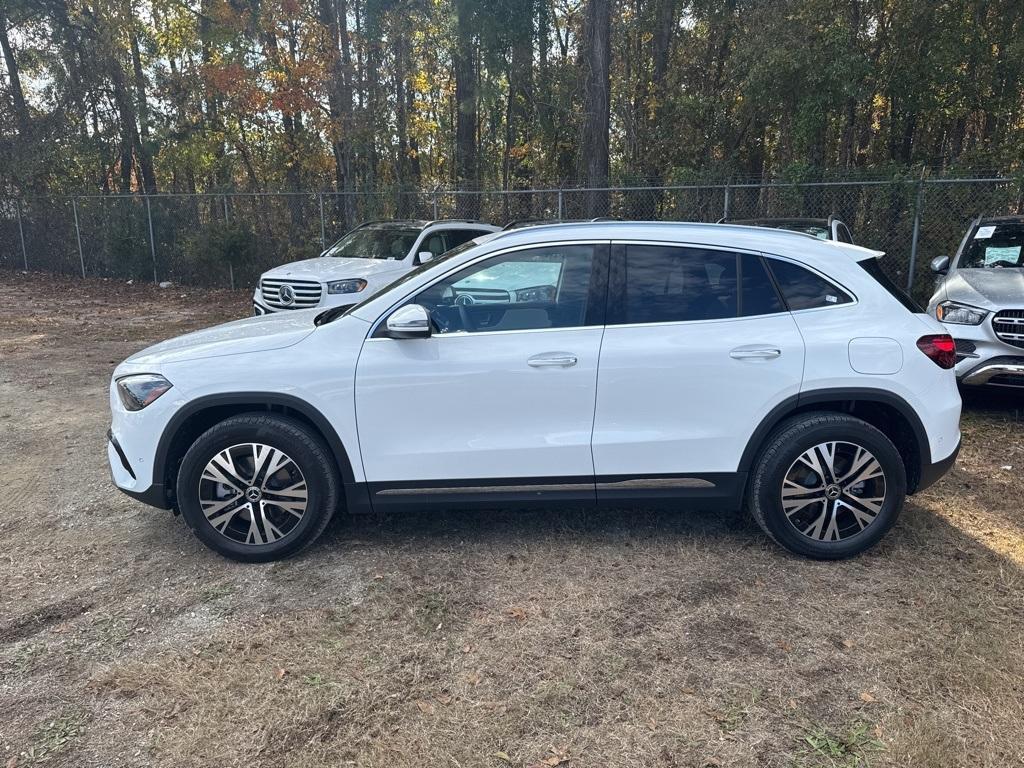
[(330, 315)]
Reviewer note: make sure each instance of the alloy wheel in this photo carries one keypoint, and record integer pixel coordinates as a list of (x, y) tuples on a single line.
[(833, 491), (253, 493)]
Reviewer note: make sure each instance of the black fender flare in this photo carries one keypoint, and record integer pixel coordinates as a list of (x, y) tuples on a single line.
[(837, 394), (259, 401)]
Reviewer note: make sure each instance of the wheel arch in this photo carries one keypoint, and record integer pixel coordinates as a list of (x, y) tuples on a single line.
[(202, 413), (886, 411)]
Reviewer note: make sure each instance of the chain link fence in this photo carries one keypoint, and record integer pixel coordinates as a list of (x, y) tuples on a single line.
[(228, 240)]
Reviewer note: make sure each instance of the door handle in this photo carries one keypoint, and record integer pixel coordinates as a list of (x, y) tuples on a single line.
[(553, 360), (755, 353)]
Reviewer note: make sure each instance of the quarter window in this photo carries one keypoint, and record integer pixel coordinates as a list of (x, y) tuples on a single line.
[(525, 290), (802, 289)]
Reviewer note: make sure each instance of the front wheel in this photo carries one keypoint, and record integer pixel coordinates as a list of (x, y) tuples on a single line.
[(257, 487), (827, 485)]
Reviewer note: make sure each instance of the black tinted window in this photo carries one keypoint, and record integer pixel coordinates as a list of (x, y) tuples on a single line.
[(802, 289), (758, 295), (667, 284), (460, 236)]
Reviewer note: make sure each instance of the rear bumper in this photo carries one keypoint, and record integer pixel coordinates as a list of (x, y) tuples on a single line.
[(933, 472)]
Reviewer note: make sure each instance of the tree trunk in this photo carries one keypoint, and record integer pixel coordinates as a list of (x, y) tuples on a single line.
[(467, 171), (596, 63)]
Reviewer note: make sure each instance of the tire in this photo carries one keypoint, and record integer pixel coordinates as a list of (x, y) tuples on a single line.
[(814, 519), (236, 474)]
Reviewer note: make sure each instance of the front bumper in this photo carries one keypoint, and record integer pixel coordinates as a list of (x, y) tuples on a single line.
[(1003, 371), (985, 359), (124, 477)]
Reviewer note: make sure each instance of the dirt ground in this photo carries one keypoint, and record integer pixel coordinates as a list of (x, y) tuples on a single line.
[(629, 638)]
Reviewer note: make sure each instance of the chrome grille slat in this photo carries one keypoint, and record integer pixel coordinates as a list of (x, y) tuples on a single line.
[(1009, 326), (307, 293)]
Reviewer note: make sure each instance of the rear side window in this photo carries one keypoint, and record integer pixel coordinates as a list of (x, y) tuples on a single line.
[(802, 289), (873, 268), (667, 284)]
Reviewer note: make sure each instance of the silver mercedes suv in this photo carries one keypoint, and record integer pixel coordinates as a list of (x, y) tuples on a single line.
[(979, 296)]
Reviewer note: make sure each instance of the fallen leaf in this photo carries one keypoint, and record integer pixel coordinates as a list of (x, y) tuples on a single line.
[(445, 699), (502, 756), (847, 644), (791, 703), (281, 673), (425, 707), (652, 723), (12, 763), (516, 613), (877, 730), (475, 678), (867, 698), (786, 646), (467, 648)]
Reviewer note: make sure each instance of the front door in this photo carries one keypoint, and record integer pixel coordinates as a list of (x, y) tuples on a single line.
[(498, 404)]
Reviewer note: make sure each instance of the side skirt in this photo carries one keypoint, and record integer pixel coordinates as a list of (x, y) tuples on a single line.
[(722, 490)]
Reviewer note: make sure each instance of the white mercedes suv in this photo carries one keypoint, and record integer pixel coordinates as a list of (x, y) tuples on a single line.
[(615, 363), (360, 263)]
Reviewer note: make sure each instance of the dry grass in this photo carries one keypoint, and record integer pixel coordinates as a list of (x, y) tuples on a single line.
[(480, 639)]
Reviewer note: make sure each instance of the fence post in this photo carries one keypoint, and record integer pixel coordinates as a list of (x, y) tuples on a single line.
[(21, 233), (323, 229), (560, 204), (152, 241), (433, 197), (912, 268), (78, 235), (728, 196), (231, 267)]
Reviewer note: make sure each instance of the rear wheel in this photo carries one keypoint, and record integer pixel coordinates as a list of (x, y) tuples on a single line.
[(827, 485), (257, 488)]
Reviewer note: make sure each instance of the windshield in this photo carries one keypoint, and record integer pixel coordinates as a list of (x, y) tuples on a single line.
[(994, 246), (333, 314), (375, 243)]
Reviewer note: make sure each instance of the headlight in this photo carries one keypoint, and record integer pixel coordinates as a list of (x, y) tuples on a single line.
[(136, 392), (959, 314), (346, 286)]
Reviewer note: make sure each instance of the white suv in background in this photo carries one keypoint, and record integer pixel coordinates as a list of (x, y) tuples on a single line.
[(603, 363), (363, 261)]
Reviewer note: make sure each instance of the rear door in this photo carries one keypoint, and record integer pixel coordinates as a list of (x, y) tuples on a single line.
[(697, 350)]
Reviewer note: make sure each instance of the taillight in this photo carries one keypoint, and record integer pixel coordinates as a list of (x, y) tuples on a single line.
[(940, 348)]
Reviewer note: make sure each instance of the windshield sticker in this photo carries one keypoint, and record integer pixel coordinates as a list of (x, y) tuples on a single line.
[(984, 233), (1006, 253)]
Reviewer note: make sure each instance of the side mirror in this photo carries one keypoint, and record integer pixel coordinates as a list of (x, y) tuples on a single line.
[(424, 257), (409, 322), (940, 265)]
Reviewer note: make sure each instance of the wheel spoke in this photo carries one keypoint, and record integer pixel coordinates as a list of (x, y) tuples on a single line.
[(811, 461), (221, 469), (864, 510), (221, 521)]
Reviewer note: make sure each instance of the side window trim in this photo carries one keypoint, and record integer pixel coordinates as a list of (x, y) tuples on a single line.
[(597, 293)]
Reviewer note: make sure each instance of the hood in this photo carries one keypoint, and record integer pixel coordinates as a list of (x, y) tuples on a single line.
[(988, 288), (253, 334), (325, 268)]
